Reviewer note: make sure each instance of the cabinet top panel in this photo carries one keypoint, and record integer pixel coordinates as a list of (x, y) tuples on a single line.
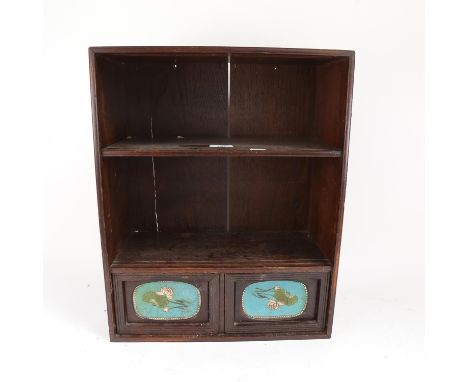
[(316, 54)]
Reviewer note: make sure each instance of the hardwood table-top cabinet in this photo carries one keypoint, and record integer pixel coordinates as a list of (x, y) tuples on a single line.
[(221, 176)]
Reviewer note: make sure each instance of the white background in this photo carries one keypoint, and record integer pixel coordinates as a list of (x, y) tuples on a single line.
[(379, 316)]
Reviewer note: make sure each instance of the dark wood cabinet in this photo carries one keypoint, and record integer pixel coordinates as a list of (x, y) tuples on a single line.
[(221, 176)]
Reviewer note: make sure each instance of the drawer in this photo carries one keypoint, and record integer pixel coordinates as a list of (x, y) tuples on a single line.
[(167, 303), (276, 302)]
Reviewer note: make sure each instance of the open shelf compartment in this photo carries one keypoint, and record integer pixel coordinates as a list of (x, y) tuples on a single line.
[(221, 250), (224, 202), (231, 104)]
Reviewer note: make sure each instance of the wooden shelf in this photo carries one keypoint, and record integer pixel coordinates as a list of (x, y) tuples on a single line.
[(231, 147), (220, 250)]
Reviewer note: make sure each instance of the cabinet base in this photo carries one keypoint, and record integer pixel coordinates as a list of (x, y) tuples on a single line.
[(218, 337)]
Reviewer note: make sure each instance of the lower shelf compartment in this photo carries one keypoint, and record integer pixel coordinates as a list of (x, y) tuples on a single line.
[(176, 286)]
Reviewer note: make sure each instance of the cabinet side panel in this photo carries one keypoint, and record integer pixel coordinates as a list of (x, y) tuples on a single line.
[(108, 250), (328, 185), (108, 83), (331, 93), (111, 96), (324, 203)]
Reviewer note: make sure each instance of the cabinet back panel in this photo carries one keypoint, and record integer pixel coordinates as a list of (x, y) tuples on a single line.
[(139, 194), (148, 99), (191, 194), (269, 100), (185, 194), (269, 194)]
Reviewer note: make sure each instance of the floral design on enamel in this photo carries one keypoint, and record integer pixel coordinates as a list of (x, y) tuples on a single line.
[(164, 299), (274, 299), (276, 296)]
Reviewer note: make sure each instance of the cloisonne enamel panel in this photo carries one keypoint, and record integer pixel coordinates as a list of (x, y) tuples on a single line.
[(276, 302), (166, 300), (276, 299), (167, 304)]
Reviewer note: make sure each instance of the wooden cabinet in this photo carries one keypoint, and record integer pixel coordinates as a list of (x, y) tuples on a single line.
[(221, 176)]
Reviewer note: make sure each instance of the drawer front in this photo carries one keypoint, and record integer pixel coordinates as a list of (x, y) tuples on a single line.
[(276, 302), (167, 304)]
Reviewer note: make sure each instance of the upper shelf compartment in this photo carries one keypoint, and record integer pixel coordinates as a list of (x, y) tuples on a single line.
[(223, 101), (226, 147)]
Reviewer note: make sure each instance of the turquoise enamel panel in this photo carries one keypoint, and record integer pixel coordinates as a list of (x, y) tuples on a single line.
[(274, 299), (166, 300)]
